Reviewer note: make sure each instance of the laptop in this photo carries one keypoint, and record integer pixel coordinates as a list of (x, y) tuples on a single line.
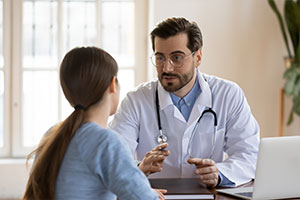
[(277, 171)]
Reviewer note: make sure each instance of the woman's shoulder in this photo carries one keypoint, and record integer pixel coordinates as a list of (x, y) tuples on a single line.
[(93, 142), (94, 132)]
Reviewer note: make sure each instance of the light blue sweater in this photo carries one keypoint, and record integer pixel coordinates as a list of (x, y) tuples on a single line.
[(99, 165)]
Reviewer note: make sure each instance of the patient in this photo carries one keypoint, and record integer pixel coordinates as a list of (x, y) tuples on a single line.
[(79, 158)]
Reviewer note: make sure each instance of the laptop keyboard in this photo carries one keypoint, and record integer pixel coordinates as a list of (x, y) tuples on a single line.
[(247, 194)]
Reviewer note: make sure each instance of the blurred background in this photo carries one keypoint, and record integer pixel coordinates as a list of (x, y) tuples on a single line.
[(242, 43)]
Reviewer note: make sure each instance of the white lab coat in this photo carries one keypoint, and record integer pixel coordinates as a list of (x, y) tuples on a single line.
[(237, 130)]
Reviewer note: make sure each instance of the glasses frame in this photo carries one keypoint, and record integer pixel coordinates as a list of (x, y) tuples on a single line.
[(152, 58)]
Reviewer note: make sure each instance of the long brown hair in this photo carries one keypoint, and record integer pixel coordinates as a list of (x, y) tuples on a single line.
[(85, 74)]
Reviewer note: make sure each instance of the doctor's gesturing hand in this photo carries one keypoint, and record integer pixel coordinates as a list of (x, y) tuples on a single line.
[(207, 171), (154, 159)]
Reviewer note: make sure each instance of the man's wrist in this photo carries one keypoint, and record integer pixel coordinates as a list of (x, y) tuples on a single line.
[(224, 181)]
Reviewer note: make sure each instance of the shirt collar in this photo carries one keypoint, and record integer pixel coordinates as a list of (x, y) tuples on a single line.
[(191, 95), (204, 99)]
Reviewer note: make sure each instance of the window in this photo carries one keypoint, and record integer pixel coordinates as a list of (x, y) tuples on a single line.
[(43, 32)]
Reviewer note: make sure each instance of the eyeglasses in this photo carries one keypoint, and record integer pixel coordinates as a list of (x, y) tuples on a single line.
[(176, 60)]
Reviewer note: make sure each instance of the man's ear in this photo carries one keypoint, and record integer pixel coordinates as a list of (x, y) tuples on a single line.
[(198, 55), (113, 85)]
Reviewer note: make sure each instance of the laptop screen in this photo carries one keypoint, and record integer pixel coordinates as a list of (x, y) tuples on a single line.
[(278, 163)]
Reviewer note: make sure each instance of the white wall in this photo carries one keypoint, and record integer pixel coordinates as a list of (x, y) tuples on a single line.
[(242, 43), (13, 178)]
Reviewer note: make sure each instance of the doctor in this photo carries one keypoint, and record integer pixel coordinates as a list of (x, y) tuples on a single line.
[(220, 147)]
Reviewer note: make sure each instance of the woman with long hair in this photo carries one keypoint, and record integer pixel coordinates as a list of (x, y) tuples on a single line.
[(79, 158)]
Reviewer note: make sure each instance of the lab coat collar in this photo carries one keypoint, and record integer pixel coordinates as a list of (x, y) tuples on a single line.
[(203, 102), (204, 99), (164, 97)]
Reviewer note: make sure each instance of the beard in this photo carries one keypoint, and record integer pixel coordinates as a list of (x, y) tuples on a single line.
[(184, 79)]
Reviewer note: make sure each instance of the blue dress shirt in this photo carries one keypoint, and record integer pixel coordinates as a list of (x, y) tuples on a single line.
[(185, 104)]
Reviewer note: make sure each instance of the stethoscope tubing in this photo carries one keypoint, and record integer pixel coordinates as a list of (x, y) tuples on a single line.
[(161, 138)]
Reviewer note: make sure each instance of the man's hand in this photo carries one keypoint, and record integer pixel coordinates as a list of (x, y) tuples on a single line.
[(154, 159), (207, 171)]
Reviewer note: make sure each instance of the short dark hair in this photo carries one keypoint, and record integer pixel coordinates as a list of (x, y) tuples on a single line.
[(175, 25)]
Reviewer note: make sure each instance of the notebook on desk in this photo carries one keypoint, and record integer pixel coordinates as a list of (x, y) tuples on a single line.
[(182, 188), (277, 171)]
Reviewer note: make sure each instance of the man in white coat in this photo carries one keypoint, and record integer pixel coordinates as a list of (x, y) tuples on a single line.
[(191, 146)]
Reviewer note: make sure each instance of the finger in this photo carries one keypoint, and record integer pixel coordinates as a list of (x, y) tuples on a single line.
[(156, 158), (160, 152), (164, 191), (160, 146), (202, 162), (157, 153), (212, 176), (154, 168), (206, 170), (158, 192), (161, 193), (157, 164), (210, 183), (149, 153), (161, 196), (208, 162), (196, 161), (152, 164)]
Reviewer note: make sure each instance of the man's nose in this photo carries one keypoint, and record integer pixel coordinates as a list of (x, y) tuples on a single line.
[(168, 66)]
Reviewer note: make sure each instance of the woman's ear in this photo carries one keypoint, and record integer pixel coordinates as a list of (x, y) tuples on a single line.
[(113, 85)]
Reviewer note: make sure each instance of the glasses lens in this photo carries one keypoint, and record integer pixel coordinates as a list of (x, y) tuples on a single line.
[(158, 60), (177, 60)]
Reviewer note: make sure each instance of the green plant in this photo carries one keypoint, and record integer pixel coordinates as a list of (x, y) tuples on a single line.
[(292, 73)]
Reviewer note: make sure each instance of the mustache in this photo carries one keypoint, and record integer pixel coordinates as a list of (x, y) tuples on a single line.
[(169, 74)]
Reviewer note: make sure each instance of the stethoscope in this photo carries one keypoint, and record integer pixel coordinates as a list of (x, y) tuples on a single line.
[(162, 138)]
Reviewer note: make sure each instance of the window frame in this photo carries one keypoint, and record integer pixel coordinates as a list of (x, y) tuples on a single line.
[(16, 80), (13, 66), (4, 151)]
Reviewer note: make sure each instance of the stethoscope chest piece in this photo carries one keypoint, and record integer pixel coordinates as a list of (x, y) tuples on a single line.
[(161, 138)]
